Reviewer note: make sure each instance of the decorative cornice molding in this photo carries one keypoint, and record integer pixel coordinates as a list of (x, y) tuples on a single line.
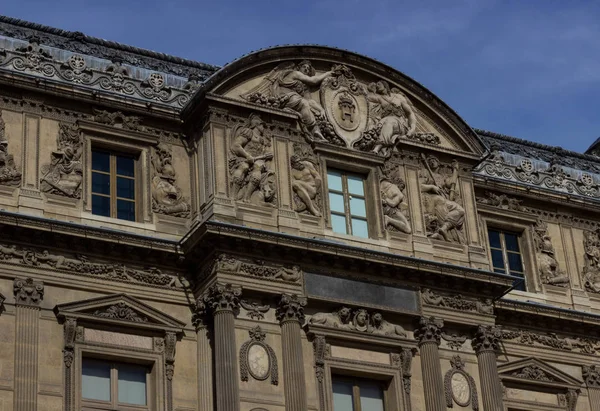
[(28, 292), (291, 308)]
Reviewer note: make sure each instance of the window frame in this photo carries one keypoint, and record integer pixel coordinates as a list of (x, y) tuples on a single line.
[(113, 177), (505, 252), (355, 381), (347, 196)]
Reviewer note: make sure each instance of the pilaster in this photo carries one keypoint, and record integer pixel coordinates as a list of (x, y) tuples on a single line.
[(205, 357), (591, 377), (428, 336), (485, 343)]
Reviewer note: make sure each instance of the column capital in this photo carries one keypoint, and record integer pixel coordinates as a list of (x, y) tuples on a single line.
[(591, 375), (291, 308), (429, 330), (487, 338), (222, 297), (28, 292)]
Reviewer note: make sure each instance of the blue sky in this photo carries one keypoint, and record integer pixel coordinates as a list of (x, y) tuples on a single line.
[(530, 69)]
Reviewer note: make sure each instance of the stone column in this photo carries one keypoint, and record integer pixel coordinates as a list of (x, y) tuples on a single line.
[(591, 376), (28, 296), (223, 301), (204, 357), (428, 336), (485, 343), (290, 314)]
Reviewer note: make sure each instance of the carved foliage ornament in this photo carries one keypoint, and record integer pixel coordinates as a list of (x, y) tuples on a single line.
[(533, 372), (223, 297), (28, 292), (459, 386), (167, 197), (291, 308), (9, 175), (429, 330), (64, 174), (578, 344), (258, 359), (255, 310), (358, 320), (121, 311), (487, 338)]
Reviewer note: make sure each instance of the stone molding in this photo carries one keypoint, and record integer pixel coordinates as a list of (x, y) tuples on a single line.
[(291, 308), (28, 291), (429, 330)]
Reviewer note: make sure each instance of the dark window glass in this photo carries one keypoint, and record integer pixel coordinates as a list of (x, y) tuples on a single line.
[(125, 166), (101, 205), (101, 183), (494, 239), (498, 259), (113, 185), (512, 242), (357, 395), (506, 255), (126, 210), (125, 188), (101, 161)]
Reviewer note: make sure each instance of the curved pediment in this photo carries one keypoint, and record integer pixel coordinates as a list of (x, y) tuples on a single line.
[(344, 99)]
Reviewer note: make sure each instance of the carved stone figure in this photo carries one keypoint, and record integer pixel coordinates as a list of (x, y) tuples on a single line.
[(444, 217), (548, 268), (393, 199), (64, 174), (251, 177), (501, 201), (9, 175), (337, 319), (289, 274), (118, 119), (166, 195), (591, 269), (361, 320), (383, 327), (288, 86), (306, 183)]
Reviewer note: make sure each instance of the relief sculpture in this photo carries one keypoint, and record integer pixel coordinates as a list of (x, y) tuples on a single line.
[(306, 181), (166, 195), (393, 199), (591, 270), (444, 216), (252, 179), (358, 320), (64, 174), (550, 272), (9, 175)]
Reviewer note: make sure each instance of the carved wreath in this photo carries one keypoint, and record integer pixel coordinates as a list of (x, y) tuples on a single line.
[(451, 395), (247, 365)]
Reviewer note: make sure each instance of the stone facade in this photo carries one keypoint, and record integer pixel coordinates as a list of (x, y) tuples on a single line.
[(475, 284)]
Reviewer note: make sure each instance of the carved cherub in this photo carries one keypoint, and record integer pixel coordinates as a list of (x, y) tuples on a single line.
[(289, 274)]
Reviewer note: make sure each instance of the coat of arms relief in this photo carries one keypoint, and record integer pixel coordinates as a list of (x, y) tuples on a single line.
[(371, 117)]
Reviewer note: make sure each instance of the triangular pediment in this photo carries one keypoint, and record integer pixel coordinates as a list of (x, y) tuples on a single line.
[(535, 371), (343, 99), (118, 308)]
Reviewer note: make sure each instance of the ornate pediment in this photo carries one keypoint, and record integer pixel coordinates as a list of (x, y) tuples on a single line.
[(118, 308), (344, 100), (536, 372)]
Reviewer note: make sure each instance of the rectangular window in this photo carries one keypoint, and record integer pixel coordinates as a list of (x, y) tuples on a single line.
[(357, 395), (114, 386), (506, 255), (113, 185), (347, 203)]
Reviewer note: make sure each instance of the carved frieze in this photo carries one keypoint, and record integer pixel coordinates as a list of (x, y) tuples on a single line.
[(551, 340), (257, 358), (167, 197), (120, 311), (444, 216), (250, 164), (119, 120), (306, 180), (255, 310), (393, 199), (533, 372), (358, 320), (591, 269), (459, 386), (501, 201), (257, 268), (64, 174), (9, 174), (81, 265), (550, 272), (28, 291), (457, 302)]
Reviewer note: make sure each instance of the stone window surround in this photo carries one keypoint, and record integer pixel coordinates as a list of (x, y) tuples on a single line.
[(505, 221)]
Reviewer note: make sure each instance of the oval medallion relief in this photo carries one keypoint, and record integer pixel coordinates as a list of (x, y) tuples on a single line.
[(259, 362), (461, 390)]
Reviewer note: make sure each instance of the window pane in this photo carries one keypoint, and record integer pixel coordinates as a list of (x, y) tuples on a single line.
[(336, 202), (371, 397), (95, 380), (342, 396), (514, 262), (132, 384), (497, 259), (125, 166), (360, 228), (126, 210), (357, 207), (125, 187), (494, 237), (101, 205), (512, 242), (338, 224), (100, 161), (101, 183), (356, 185), (334, 180)]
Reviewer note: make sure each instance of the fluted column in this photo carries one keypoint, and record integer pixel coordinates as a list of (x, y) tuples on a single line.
[(428, 336), (204, 357), (28, 296), (591, 376), (223, 302), (485, 343), (290, 314)]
